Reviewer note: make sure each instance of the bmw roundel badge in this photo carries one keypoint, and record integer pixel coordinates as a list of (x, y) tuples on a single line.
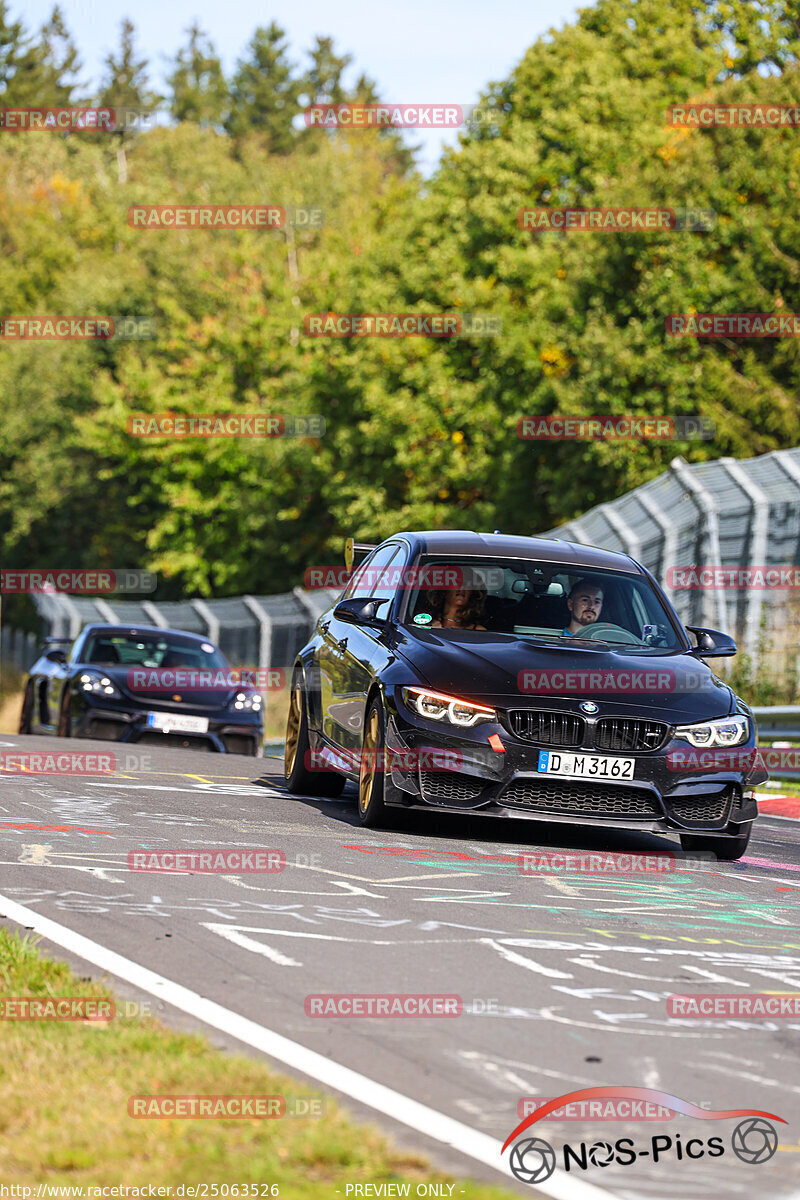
[(589, 706)]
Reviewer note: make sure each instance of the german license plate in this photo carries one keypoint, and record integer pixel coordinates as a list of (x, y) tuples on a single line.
[(589, 766), (176, 723)]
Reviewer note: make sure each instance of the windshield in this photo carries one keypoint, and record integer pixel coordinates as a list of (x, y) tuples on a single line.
[(530, 599), (153, 651)]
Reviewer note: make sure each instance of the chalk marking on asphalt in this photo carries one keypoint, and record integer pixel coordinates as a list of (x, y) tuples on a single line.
[(520, 960), (561, 885), (295, 933), (420, 1117), (246, 943), (353, 890), (711, 976)]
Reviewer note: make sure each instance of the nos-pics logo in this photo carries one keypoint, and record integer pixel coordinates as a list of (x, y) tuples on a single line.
[(533, 1160)]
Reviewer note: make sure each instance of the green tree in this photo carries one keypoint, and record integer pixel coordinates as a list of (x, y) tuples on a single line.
[(322, 82), (265, 91), (60, 59), (125, 82), (197, 84), (35, 72)]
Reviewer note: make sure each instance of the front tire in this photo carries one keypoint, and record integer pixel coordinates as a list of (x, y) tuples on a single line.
[(297, 751), (371, 808), (727, 849), (26, 715)]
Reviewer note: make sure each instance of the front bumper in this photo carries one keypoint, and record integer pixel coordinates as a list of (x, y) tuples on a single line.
[(121, 724), (431, 765)]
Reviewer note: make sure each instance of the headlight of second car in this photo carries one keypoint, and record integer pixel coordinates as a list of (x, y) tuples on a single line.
[(247, 702), (438, 707), (99, 685), (725, 731)]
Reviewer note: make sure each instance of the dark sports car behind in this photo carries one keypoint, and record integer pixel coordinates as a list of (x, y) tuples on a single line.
[(143, 684)]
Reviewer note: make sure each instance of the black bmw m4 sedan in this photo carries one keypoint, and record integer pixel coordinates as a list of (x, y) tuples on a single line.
[(520, 677)]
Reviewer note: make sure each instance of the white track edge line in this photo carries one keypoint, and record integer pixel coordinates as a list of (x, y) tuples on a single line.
[(428, 1121)]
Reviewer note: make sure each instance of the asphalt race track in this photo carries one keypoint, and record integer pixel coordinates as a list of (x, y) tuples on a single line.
[(563, 978)]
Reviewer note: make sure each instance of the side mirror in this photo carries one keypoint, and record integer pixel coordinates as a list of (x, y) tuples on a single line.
[(711, 643), (56, 656), (357, 612)]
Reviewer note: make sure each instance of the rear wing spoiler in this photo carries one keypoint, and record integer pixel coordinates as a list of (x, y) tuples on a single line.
[(353, 550)]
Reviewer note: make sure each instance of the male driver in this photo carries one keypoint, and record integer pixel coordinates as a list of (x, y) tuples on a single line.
[(584, 603)]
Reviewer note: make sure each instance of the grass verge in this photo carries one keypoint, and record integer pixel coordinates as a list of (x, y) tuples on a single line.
[(64, 1089)]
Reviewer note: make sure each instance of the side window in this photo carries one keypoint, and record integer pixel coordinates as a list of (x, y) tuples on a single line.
[(362, 583), (386, 582)]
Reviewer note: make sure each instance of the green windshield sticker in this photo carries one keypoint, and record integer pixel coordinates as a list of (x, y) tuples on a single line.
[(423, 619)]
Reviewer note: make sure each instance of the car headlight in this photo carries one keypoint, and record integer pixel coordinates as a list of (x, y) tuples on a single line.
[(99, 685), (247, 702), (725, 731), (437, 707)]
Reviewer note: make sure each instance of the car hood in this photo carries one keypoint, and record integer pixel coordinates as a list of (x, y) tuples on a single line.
[(161, 696), (507, 672)]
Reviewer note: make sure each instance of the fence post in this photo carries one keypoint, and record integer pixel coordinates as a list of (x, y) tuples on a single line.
[(264, 640)]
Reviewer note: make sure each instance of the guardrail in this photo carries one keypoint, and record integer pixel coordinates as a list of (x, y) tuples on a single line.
[(781, 725), (776, 724)]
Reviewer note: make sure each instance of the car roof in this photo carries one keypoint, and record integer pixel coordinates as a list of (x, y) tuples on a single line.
[(121, 630), (505, 545)]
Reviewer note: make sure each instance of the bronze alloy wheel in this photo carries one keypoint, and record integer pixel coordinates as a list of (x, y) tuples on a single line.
[(293, 729), (304, 776), (366, 778)]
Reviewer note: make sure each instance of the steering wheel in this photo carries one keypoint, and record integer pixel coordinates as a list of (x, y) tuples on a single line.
[(599, 631)]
